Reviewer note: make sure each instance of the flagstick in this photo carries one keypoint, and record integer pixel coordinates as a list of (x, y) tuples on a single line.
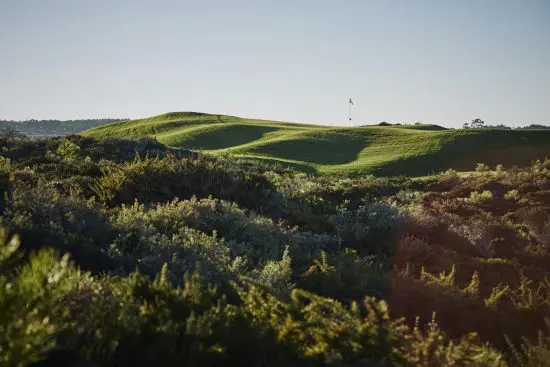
[(349, 113)]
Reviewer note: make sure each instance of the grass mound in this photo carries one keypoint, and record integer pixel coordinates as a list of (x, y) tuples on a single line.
[(414, 150)]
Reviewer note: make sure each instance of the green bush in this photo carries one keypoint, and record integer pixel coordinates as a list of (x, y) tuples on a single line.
[(248, 235), (31, 301), (370, 229), (276, 275), (483, 198), (161, 179), (160, 236), (46, 218), (345, 276)]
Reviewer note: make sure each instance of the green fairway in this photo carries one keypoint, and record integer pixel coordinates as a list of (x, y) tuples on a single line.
[(415, 150)]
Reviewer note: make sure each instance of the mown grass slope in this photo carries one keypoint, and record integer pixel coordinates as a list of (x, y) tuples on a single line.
[(393, 150)]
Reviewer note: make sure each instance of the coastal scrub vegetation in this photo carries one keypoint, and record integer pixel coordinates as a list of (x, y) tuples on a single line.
[(130, 253)]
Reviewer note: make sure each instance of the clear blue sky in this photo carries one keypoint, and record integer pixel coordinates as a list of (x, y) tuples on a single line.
[(443, 62)]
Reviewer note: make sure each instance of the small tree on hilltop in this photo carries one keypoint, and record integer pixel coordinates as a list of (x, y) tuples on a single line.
[(477, 123)]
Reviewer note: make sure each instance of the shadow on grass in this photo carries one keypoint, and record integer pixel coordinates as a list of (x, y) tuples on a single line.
[(275, 164), (220, 137), (318, 148)]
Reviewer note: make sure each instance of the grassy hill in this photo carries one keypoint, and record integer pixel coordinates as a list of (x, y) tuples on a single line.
[(392, 150)]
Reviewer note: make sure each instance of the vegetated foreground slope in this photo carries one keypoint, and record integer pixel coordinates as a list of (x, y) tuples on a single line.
[(394, 150), (181, 259)]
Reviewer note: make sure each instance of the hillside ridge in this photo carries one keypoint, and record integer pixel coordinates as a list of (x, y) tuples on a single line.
[(415, 150)]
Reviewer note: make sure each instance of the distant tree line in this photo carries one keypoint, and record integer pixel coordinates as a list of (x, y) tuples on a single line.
[(38, 128), (479, 124), (475, 124)]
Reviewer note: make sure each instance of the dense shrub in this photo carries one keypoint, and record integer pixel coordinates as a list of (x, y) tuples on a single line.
[(138, 321), (476, 252), (153, 179), (249, 235), (46, 218), (345, 276), (371, 228), (31, 298)]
